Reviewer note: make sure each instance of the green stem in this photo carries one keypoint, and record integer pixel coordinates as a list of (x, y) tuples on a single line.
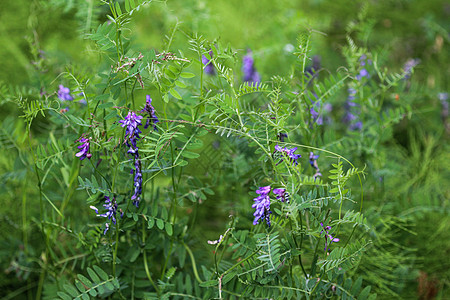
[(194, 266), (145, 261)]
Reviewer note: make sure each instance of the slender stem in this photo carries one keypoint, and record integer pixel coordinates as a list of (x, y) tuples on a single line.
[(194, 266), (145, 260)]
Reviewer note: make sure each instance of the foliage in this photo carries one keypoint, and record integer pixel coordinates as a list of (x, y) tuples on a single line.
[(132, 168)]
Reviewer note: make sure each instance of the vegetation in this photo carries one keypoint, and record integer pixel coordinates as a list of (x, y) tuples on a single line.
[(194, 149)]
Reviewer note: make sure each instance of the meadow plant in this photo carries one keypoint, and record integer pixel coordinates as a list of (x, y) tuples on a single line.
[(167, 174)]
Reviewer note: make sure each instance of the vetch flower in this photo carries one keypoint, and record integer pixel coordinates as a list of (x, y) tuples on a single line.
[(281, 136), (137, 182), (151, 112), (262, 205), (209, 67), (64, 93), (362, 73), (409, 66), (249, 70), (313, 162), (317, 118), (289, 152), (131, 123), (281, 195), (329, 239), (351, 110), (84, 147), (313, 159), (111, 211)]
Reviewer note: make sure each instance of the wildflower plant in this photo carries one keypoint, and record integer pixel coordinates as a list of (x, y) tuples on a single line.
[(286, 232)]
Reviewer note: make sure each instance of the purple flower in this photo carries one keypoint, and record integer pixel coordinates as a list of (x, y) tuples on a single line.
[(82, 101), (317, 118), (262, 205), (64, 93), (131, 122), (282, 136), (209, 67), (363, 73), (84, 149), (289, 152), (281, 195), (249, 70), (356, 126), (151, 112), (137, 183), (328, 237), (351, 95), (409, 65), (350, 108), (313, 162), (312, 159), (111, 211)]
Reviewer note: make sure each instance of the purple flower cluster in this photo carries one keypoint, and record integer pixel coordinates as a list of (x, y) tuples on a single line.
[(313, 162), (249, 70), (281, 195), (363, 72), (328, 238), (408, 67), (262, 205), (131, 123), (84, 149), (351, 111), (209, 67), (111, 211), (289, 152), (281, 136), (151, 112), (64, 93)]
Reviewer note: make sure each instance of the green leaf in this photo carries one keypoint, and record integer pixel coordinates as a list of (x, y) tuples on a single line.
[(71, 290), (64, 296), (109, 286), (174, 93), (93, 275), (160, 224), (101, 273), (189, 154), (365, 293), (180, 84), (151, 223), (169, 229), (102, 97), (93, 292), (85, 281), (80, 286), (187, 75), (182, 163), (118, 10), (106, 105), (209, 283), (85, 297)]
